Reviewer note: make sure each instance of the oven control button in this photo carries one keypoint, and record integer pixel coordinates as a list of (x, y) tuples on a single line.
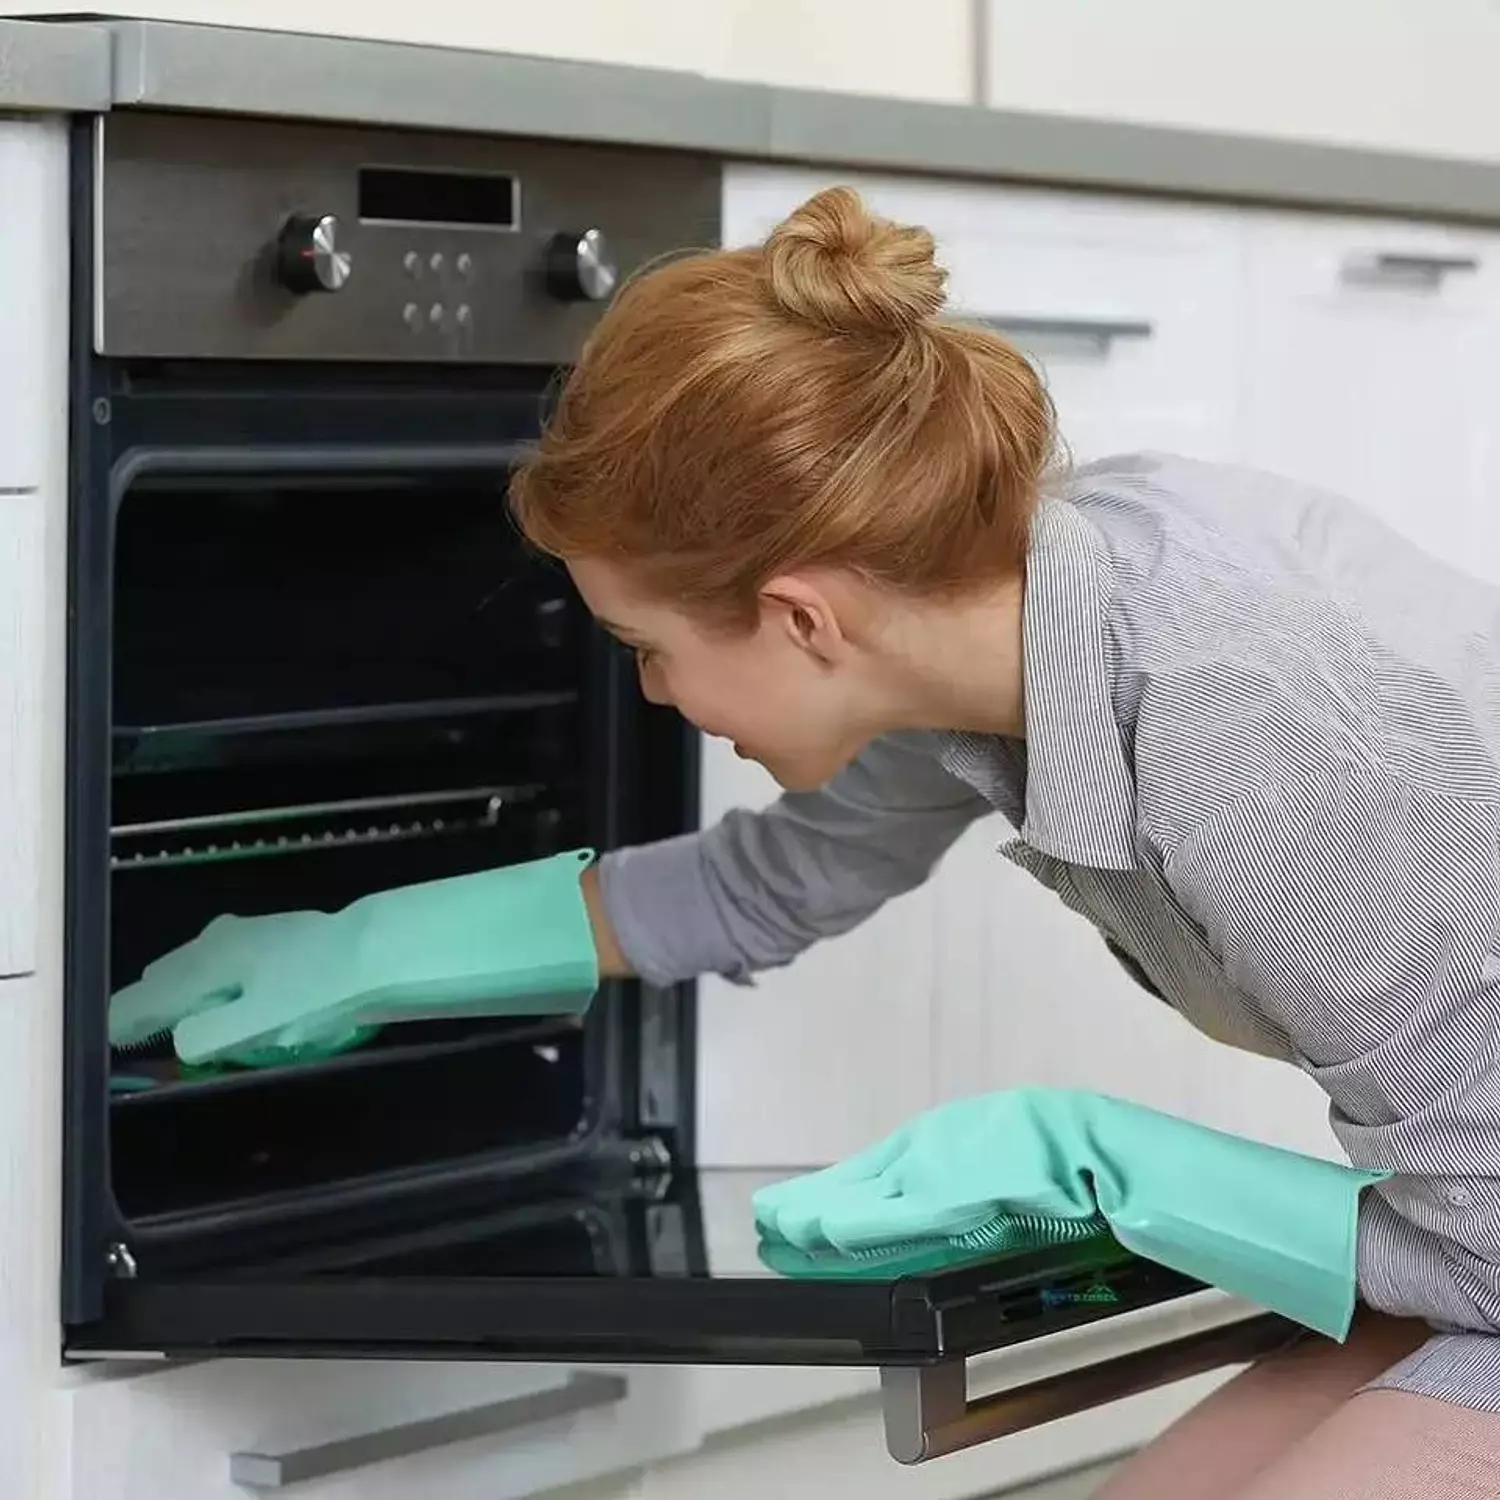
[(308, 258), (580, 267)]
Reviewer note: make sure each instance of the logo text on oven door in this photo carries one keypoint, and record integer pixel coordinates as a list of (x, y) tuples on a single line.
[(1096, 1293)]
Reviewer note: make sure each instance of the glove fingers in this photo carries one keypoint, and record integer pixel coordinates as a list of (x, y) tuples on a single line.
[(812, 1188), (800, 1221), (866, 1222), (203, 971), (214, 1031), (148, 1006)]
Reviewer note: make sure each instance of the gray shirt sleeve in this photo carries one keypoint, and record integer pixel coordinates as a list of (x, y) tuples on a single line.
[(755, 889)]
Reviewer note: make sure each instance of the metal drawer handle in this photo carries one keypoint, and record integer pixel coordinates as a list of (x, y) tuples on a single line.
[(928, 1413), (279, 1471), (1101, 332), (1421, 270)]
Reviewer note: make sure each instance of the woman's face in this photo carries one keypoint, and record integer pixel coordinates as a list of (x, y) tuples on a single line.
[(791, 694)]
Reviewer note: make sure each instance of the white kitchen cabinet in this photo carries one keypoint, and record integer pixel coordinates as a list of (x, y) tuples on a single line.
[(23, 582), (820, 1058), (33, 480), (1372, 359), (1132, 310), (230, 1428), (1382, 73)]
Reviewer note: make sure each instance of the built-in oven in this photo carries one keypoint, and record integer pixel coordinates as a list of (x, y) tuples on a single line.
[(310, 658)]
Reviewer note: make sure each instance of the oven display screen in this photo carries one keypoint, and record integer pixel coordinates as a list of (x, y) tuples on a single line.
[(403, 195)]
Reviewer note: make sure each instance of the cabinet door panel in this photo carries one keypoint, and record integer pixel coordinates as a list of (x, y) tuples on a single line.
[(222, 1429), (815, 1060), (1372, 357)]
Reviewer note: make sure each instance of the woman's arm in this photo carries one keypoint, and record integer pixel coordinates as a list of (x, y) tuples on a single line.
[(755, 889), (612, 962)]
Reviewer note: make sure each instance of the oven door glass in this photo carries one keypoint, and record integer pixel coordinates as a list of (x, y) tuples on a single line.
[(303, 673), (560, 1269)]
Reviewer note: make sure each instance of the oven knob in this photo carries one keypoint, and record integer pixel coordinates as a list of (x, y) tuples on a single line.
[(308, 258), (580, 267)]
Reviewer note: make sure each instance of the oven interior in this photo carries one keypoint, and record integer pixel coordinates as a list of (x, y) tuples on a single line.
[(325, 686)]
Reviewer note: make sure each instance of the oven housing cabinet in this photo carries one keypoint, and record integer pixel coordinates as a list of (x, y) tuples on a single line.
[(303, 361)]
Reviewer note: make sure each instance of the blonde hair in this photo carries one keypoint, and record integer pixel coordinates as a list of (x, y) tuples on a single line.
[(740, 413)]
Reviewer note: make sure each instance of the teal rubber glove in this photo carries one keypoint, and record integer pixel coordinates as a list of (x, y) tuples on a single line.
[(254, 990), (1014, 1169)]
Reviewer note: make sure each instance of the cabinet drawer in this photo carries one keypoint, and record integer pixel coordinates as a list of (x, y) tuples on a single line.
[(1374, 262), (1132, 310), (375, 1431), (1372, 356)]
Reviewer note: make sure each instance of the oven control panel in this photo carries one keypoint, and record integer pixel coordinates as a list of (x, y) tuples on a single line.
[(337, 243)]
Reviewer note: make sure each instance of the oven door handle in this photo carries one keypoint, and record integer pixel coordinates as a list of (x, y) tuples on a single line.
[(928, 1412), (583, 1392)]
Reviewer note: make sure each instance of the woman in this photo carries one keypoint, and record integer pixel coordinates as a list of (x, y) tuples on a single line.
[(1249, 732)]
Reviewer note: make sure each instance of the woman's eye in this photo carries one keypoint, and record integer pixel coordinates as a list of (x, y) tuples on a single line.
[(644, 655)]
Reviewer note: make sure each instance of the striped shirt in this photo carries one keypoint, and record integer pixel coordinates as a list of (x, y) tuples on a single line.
[(1262, 757)]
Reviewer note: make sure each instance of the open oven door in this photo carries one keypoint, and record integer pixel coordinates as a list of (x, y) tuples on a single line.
[(573, 1268)]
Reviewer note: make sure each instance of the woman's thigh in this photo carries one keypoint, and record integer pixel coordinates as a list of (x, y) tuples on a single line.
[(1388, 1445), (1214, 1450)]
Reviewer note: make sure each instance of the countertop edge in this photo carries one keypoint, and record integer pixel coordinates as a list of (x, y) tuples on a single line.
[(46, 68), (197, 67), (180, 66)]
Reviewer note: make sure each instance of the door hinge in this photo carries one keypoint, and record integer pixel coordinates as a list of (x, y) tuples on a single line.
[(120, 1262)]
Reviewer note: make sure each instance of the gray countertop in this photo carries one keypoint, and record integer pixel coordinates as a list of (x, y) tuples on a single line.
[(166, 65), (54, 67)]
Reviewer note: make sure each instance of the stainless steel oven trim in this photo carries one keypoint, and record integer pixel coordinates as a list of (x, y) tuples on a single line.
[(929, 1412)]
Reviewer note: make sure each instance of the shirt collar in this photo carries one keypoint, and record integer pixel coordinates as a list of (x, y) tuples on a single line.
[(1080, 790)]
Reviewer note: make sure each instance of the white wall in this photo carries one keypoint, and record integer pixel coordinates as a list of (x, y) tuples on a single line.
[(1401, 74), (868, 46), (1393, 74)]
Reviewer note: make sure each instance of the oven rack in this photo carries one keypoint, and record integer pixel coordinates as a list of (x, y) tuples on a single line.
[(270, 832), (154, 1080)]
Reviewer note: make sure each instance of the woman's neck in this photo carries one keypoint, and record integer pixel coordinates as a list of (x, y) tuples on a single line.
[(959, 664)]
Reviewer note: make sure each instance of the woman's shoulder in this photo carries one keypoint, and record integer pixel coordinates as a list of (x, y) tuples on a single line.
[(1260, 631)]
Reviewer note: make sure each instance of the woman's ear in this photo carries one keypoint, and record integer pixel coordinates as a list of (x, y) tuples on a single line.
[(807, 615)]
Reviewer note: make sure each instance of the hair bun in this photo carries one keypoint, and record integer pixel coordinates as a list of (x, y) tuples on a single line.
[(835, 264)]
